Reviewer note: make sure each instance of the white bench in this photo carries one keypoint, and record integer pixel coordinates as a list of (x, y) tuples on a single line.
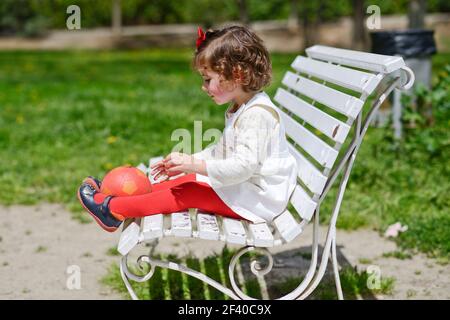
[(340, 81)]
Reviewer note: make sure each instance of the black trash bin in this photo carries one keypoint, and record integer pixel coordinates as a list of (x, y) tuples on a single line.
[(416, 46), (408, 44)]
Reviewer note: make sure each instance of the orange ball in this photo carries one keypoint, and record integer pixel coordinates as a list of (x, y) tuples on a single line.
[(125, 181)]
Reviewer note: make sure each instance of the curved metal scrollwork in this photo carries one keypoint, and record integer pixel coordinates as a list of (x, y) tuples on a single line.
[(255, 267), (236, 293)]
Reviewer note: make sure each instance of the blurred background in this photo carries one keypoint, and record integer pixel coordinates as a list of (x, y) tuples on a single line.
[(171, 23), (82, 92)]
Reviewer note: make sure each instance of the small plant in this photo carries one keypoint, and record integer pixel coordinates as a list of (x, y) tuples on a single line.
[(40, 249), (402, 255), (113, 252), (410, 293), (365, 261)]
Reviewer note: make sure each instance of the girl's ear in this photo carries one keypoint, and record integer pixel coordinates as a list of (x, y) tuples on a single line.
[(238, 75)]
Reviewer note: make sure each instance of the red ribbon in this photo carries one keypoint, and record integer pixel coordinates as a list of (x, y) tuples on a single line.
[(201, 36)]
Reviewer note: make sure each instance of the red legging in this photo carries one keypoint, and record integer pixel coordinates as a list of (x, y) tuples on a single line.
[(170, 196)]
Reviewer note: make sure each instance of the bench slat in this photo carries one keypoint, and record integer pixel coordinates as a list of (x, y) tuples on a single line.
[(317, 148), (262, 237), (207, 226), (348, 78), (129, 237), (152, 227), (181, 225), (287, 226), (234, 231), (307, 172), (331, 127), (303, 203), (364, 60), (334, 99)]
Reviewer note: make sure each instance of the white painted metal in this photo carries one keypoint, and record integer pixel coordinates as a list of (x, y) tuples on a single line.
[(410, 78), (323, 153), (307, 172), (181, 225), (287, 226), (331, 127), (234, 231), (207, 226), (334, 99), (261, 235), (364, 60), (152, 227), (345, 77)]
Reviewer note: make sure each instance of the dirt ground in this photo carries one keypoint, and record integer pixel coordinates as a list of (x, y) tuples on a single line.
[(42, 249)]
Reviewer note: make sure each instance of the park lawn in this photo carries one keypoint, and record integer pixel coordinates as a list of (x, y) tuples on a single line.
[(66, 115)]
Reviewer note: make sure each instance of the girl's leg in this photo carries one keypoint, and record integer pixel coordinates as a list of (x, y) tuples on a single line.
[(171, 183), (178, 198)]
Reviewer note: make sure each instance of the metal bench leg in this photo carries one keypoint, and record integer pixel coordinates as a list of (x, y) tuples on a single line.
[(123, 267), (336, 268)]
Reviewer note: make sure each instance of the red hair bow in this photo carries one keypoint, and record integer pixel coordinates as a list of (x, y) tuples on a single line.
[(201, 36)]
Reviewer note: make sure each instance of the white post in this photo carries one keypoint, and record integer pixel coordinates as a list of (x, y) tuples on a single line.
[(397, 114)]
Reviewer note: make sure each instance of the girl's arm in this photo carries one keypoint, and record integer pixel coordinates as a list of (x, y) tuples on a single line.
[(254, 129)]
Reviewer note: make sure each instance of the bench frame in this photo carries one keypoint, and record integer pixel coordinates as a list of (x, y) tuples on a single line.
[(390, 76)]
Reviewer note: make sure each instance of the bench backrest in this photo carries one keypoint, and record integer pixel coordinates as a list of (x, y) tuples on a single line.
[(321, 102)]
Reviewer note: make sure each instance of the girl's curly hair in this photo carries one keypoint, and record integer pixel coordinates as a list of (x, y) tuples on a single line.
[(237, 54)]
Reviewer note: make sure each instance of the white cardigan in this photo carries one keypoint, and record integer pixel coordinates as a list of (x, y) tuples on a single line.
[(251, 168)]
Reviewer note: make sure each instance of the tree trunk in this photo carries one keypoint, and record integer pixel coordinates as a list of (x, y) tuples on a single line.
[(360, 38), (243, 12), (416, 14), (293, 20), (308, 34), (116, 17)]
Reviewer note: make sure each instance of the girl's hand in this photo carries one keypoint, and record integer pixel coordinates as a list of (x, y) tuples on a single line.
[(176, 163), (166, 167), (159, 170)]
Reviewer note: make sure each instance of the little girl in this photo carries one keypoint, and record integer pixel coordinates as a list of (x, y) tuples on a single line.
[(249, 174)]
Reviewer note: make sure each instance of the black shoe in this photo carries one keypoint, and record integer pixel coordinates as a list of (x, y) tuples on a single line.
[(100, 212), (93, 182)]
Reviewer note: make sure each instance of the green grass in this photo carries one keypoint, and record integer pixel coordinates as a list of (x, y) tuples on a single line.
[(66, 115)]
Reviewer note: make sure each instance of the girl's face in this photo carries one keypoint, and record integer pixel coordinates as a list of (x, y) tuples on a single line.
[(219, 90)]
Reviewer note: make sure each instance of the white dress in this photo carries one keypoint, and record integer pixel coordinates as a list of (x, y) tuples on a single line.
[(250, 167)]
